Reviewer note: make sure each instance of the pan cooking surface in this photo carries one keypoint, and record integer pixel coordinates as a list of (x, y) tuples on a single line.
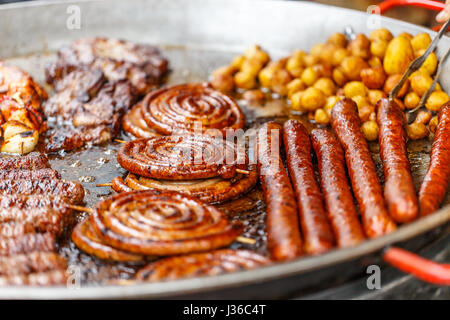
[(98, 164)]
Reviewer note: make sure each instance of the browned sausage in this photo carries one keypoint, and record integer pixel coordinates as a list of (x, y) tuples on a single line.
[(399, 191), (338, 196), (316, 229), (435, 184), (361, 168), (283, 233)]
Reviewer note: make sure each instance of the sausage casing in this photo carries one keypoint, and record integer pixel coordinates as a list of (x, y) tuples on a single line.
[(435, 183), (361, 168), (338, 196), (316, 230), (283, 234), (399, 191)]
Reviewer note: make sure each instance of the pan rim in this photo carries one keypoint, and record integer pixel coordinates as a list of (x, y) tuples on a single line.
[(272, 272)]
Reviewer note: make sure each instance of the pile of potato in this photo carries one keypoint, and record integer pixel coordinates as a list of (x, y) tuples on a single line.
[(364, 69)]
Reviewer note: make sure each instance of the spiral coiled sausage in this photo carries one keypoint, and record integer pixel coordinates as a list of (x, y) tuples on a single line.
[(211, 190), (201, 264), (181, 157), (152, 223), (184, 107)]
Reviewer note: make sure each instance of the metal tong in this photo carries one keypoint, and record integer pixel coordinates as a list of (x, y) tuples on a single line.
[(415, 65)]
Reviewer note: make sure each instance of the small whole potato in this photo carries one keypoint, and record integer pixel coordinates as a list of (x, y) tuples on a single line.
[(312, 99), (309, 60), (309, 76), (256, 53), (375, 62), (423, 117), (323, 70), (280, 79), (436, 100), (251, 66), (326, 85), (364, 107), (245, 80), (339, 76), (420, 83), (399, 54), (236, 63), (432, 125), (338, 39), (355, 88), (360, 46), (420, 41), (430, 64), (382, 34), (329, 104), (400, 103), (254, 96), (316, 49), (295, 86), (328, 52), (296, 103), (352, 66), (295, 66), (392, 81), (373, 78), (321, 117), (416, 131), (339, 55), (266, 74), (222, 79), (406, 35), (411, 100), (378, 48), (370, 130), (375, 95)]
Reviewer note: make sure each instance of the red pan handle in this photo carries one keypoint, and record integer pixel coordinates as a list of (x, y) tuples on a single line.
[(421, 268), (427, 4)]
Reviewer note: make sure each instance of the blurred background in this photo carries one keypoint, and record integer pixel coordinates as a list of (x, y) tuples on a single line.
[(412, 14)]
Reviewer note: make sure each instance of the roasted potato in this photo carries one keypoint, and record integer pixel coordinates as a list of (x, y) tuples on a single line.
[(296, 102), (338, 39), (373, 78), (378, 48), (399, 54), (374, 95), (255, 53), (370, 130), (222, 79), (312, 99), (280, 79), (245, 80), (436, 100), (329, 104), (355, 88), (295, 86), (433, 124), (254, 96), (309, 60), (430, 64), (352, 66), (360, 46), (364, 107), (382, 34), (416, 131), (309, 76), (420, 41), (420, 82), (423, 117), (411, 100), (392, 81), (339, 76), (339, 55), (295, 66), (321, 117), (266, 74), (326, 85)]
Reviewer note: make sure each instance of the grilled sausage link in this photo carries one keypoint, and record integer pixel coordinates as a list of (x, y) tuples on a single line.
[(317, 233), (283, 234), (399, 191), (361, 168), (338, 197), (73, 191), (435, 183), (34, 202), (32, 161)]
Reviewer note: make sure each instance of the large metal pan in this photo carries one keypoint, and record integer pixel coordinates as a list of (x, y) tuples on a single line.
[(199, 35)]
